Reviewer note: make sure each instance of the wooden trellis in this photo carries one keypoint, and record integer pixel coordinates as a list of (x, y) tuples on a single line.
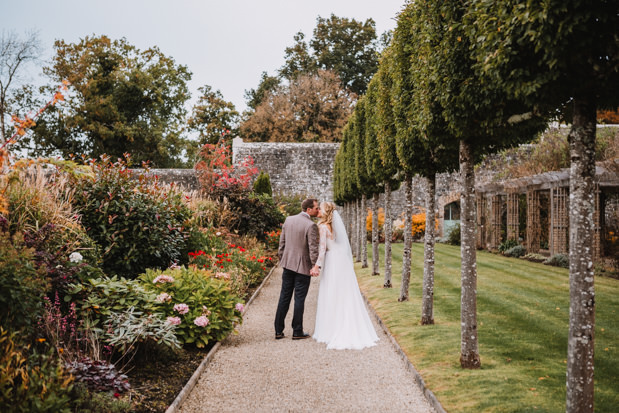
[(513, 224), (598, 221), (495, 221), (480, 201), (559, 220), (533, 221)]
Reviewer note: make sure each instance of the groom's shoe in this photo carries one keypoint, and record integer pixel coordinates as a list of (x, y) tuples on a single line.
[(279, 336), (300, 336)]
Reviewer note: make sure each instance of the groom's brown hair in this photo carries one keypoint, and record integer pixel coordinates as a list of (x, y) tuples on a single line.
[(308, 203)]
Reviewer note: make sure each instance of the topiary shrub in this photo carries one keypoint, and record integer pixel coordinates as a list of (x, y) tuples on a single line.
[(262, 185), (516, 252), (558, 260), (137, 223), (201, 306)]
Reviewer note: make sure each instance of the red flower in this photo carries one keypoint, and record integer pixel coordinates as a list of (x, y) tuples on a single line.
[(117, 395)]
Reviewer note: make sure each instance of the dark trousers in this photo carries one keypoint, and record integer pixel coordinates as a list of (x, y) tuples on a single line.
[(292, 282)]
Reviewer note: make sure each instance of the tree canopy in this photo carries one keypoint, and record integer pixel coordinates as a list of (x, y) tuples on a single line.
[(212, 116), (120, 100)]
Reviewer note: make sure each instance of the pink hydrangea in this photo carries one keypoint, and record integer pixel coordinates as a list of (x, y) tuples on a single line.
[(163, 297), (173, 320), (181, 308), (201, 321), (239, 307), (163, 278)]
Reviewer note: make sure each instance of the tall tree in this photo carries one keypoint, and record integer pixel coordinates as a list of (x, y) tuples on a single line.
[(212, 116), (565, 55), (256, 96), (313, 108), (15, 54), (386, 138), (346, 46), (120, 100), (483, 118)]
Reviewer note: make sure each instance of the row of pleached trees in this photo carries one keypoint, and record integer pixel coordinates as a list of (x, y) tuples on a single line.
[(464, 79)]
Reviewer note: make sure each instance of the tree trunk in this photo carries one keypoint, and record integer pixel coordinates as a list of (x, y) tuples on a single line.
[(363, 233), (582, 294), (427, 301), (349, 221), (388, 230), (469, 349), (353, 228), (358, 232), (375, 256), (408, 239)]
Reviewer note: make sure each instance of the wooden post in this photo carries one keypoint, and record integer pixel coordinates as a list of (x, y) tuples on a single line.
[(533, 221)]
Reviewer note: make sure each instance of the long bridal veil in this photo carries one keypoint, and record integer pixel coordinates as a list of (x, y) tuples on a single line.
[(342, 320)]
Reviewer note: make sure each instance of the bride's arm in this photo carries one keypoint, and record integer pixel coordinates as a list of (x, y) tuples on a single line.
[(322, 245)]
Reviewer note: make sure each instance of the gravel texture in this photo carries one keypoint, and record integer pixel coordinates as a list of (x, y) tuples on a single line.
[(253, 372)]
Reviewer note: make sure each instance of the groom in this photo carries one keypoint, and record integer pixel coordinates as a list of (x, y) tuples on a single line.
[(298, 252)]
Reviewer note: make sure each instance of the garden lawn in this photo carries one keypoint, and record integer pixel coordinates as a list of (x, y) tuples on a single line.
[(522, 314)]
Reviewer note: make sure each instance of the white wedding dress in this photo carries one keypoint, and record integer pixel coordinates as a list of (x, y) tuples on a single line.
[(342, 321)]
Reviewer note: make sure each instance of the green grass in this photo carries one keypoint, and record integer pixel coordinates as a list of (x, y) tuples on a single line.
[(522, 314)]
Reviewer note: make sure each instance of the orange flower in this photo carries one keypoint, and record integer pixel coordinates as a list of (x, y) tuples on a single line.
[(40, 340)]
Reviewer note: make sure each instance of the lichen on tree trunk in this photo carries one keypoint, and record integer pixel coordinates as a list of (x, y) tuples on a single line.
[(375, 255), (469, 348), (358, 231), (408, 239), (388, 231), (580, 344), (364, 242), (427, 300)]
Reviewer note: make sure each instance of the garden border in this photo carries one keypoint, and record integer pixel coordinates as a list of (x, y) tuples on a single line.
[(193, 380), (430, 397)]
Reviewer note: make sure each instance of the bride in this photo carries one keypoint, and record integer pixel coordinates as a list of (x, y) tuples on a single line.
[(342, 320)]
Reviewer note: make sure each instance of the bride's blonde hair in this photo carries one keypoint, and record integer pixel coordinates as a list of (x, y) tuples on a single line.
[(327, 209)]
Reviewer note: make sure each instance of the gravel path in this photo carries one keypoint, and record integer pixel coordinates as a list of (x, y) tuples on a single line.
[(253, 372)]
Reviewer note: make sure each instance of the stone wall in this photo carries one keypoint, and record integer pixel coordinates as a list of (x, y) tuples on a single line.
[(294, 168)]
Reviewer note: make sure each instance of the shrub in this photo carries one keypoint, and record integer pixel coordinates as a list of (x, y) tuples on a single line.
[(262, 185), (98, 375), (534, 257), (558, 260), (201, 306), (507, 244), (289, 204), (97, 298), (252, 214), (36, 383), (516, 252), (85, 401), (368, 222), (22, 285), (453, 238), (138, 223), (272, 239)]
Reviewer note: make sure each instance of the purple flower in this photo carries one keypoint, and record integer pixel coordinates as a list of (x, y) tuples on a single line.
[(239, 307)]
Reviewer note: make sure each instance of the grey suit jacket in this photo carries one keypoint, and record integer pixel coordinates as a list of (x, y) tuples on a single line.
[(298, 244)]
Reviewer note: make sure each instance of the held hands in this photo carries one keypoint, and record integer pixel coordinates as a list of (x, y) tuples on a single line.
[(315, 271)]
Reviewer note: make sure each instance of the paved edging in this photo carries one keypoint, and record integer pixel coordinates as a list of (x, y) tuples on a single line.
[(430, 397), (186, 390)]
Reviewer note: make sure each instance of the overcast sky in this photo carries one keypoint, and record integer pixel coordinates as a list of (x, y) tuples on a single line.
[(226, 44)]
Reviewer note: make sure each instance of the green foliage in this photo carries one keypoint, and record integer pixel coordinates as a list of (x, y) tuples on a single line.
[(289, 204), (335, 40), (199, 299), (251, 214), (262, 184), (558, 260), (267, 85), (507, 244), (85, 401), (97, 298), (137, 223), (121, 100), (129, 328), (22, 285), (212, 117), (533, 257), (35, 383), (516, 251), (453, 238)]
